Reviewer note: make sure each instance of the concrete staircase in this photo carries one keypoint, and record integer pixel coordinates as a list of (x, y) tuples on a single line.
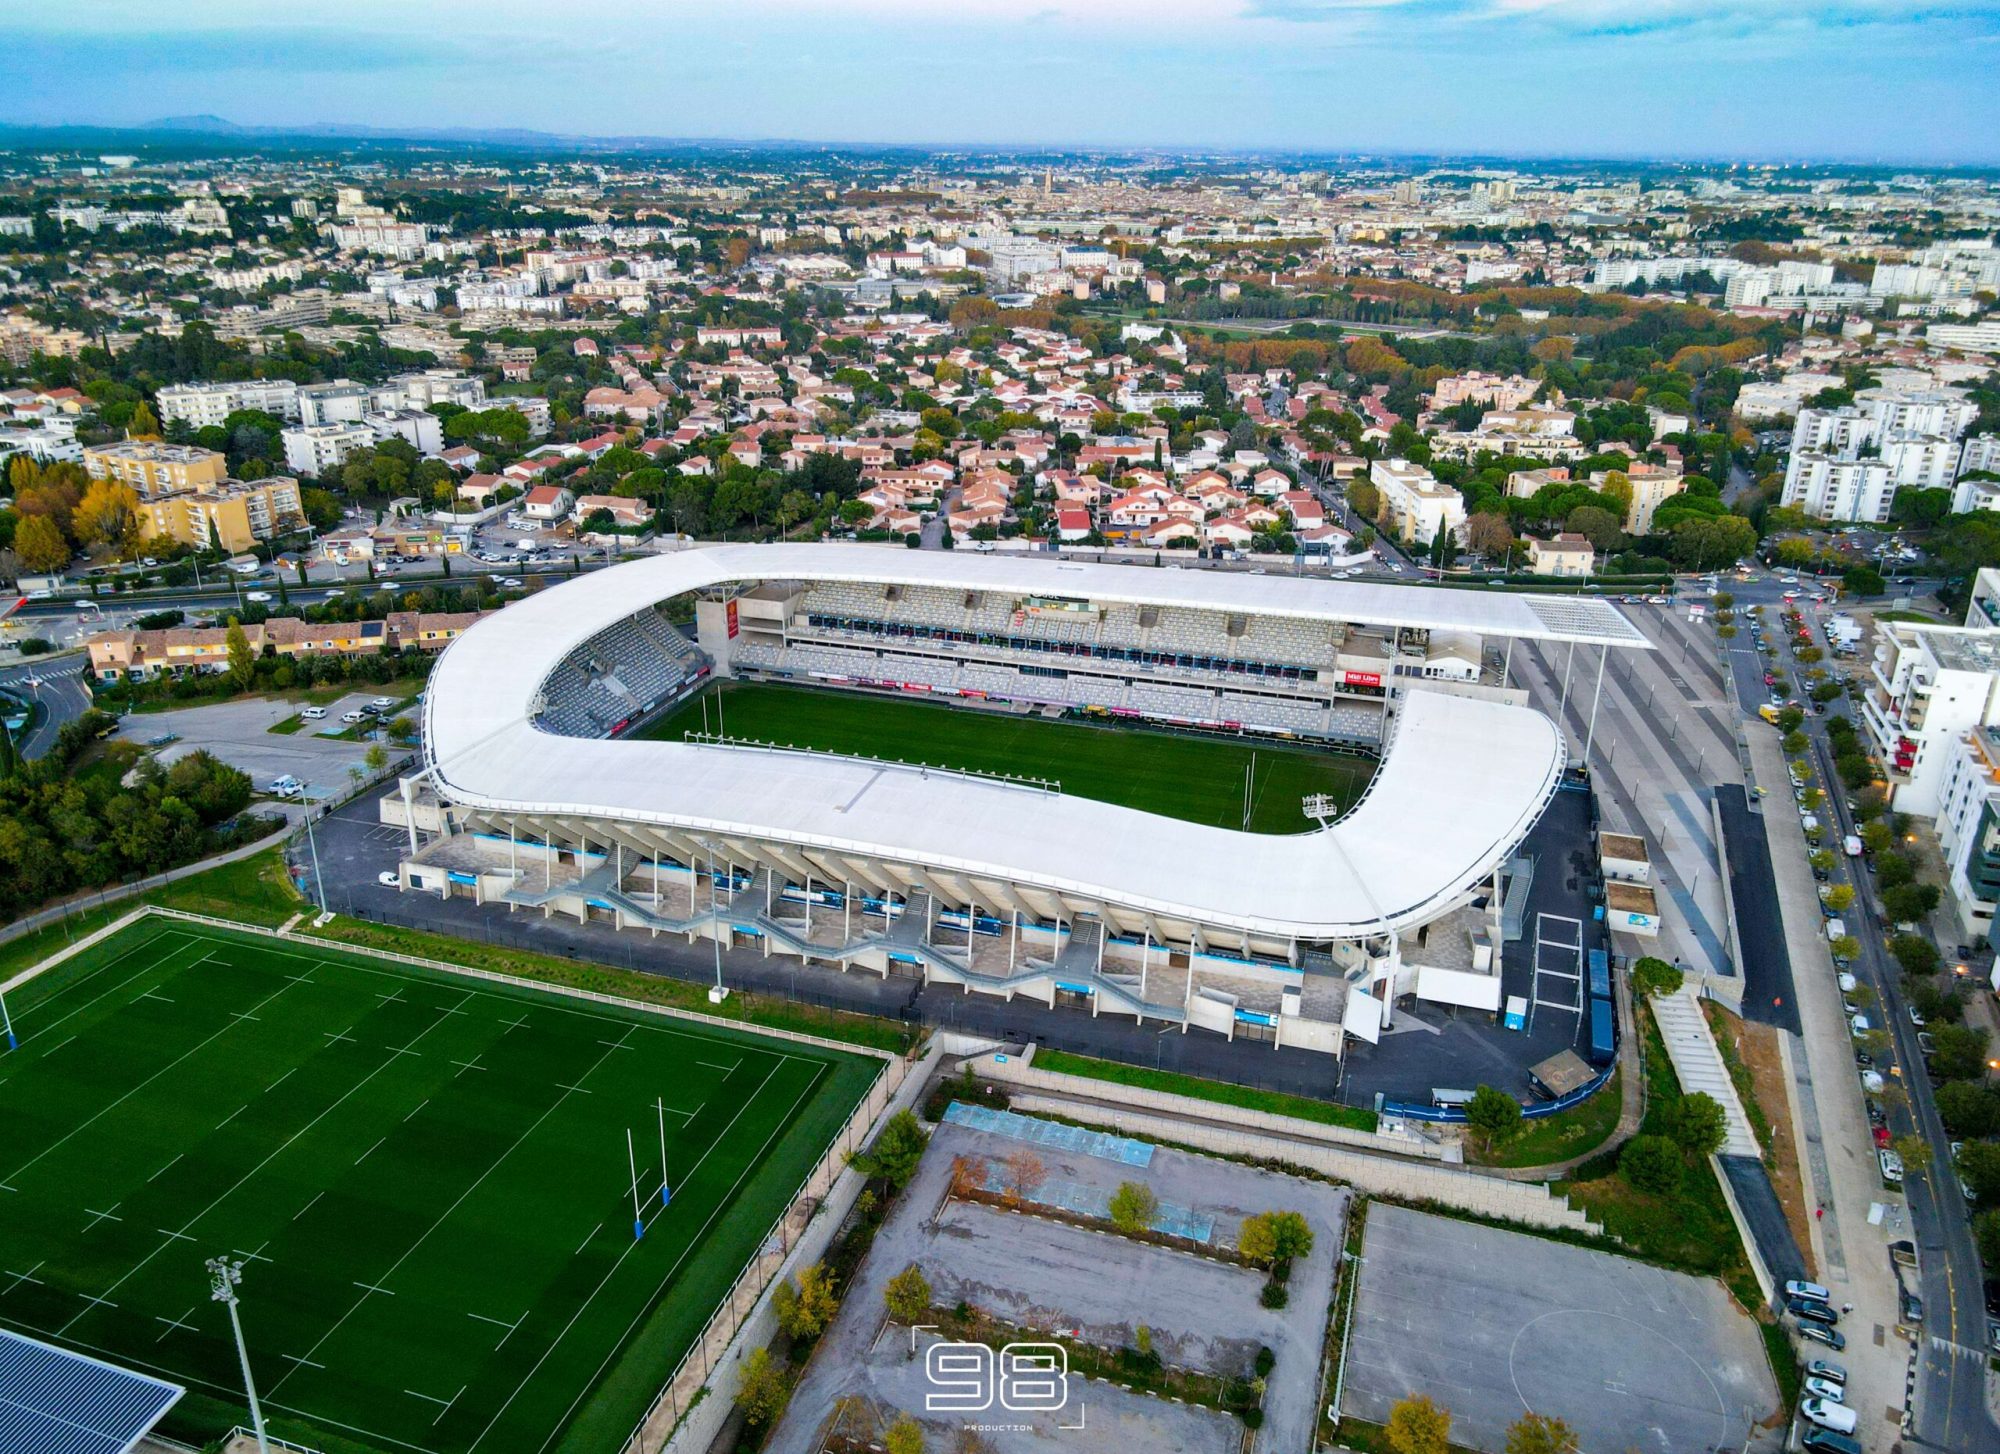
[(1698, 1064)]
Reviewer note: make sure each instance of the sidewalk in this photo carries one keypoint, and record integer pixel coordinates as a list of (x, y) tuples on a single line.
[(1843, 1181)]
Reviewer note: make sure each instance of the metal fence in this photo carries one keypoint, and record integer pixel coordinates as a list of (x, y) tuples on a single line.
[(1455, 1115)]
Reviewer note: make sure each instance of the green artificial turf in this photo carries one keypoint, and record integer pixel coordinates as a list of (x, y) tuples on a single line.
[(1186, 776), (426, 1176)]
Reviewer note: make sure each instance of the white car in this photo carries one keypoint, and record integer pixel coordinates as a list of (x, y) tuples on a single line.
[(313, 714), (351, 718), (257, 598), (389, 879), (383, 704)]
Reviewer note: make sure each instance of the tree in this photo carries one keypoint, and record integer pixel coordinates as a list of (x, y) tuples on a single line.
[(1960, 1052), (1655, 977), (1968, 1108), (907, 1295), (39, 543), (1909, 903), (1418, 1426), (896, 1152), (1651, 1164), (809, 1304), (1838, 897), (1699, 1124), (1916, 954), (1133, 1206), (1979, 1169), (1271, 1238), (1845, 947), (1541, 1434), (107, 515), (1793, 743), (242, 662), (763, 1390), (1493, 1114), (1600, 527), (1915, 1152), (1489, 534), (905, 1436), (144, 424), (1022, 1171)]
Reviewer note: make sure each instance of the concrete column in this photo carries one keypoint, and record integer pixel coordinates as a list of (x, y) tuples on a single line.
[(1590, 734)]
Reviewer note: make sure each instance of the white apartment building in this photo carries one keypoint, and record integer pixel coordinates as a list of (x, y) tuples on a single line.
[(1929, 686), (1945, 412), (1920, 461), (341, 402), (1839, 489), (316, 449), (345, 402), (1968, 829), (1418, 506), (424, 431), (1981, 454), (206, 406), (1982, 337)]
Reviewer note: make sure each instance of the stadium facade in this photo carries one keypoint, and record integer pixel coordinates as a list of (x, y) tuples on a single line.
[(534, 794)]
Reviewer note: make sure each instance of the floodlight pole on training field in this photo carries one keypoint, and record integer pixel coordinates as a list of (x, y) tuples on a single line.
[(224, 1276), (631, 1161), (7, 1023)]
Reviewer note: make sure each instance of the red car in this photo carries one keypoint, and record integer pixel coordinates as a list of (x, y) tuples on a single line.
[(1770, 680), (1882, 1137)]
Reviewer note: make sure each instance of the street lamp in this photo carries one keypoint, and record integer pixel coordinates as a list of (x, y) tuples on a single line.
[(224, 1278), (305, 801)]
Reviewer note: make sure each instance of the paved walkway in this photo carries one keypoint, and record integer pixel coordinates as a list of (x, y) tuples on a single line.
[(1699, 1065)]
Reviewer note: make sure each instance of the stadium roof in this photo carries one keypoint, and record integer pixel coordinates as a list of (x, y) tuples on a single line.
[(53, 1401), (1464, 780)]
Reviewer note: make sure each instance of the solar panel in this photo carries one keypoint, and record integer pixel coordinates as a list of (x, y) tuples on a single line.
[(53, 1401)]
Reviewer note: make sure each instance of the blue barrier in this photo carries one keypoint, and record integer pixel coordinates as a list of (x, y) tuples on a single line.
[(1535, 1111)]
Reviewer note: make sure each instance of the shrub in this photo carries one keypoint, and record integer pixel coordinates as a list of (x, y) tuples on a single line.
[(1652, 1164), (763, 1390), (1494, 1114), (1418, 1426), (1274, 1295), (1699, 1124), (896, 1152), (1651, 976), (1272, 1238)]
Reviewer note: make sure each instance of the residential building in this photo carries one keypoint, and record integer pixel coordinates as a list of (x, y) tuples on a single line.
[(1968, 830), (1836, 489), (230, 515), (1415, 504), (1566, 555), (144, 654), (208, 406), (153, 467), (547, 502), (317, 449), (1652, 486), (1929, 686)]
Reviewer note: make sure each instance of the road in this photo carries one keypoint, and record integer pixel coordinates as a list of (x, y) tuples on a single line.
[(57, 683), (1950, 1406)]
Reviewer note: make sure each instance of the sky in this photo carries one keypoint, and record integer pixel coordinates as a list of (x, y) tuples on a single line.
[(1890, 81)]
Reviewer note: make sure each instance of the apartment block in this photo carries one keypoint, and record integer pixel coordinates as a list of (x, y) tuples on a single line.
[(155, 468), (206, 406), (231, 515), (1418, 506), (1928, 687)]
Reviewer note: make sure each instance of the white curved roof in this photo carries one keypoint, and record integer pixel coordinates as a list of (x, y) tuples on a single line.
[(1463, 782)]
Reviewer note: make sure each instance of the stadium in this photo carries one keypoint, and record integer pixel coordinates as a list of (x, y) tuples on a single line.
[(561, 775)]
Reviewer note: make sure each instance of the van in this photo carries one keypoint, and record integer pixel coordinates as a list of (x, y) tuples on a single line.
[(1835, 929), (1851, 845), (313, 714), (1809, 824), (1829, 1415)]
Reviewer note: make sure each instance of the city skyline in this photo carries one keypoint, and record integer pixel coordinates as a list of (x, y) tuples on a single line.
[(1880, 82)]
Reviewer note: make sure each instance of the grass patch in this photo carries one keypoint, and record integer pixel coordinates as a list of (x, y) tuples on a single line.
[(1567, 1134), (1689, 1229), (288, 727), (748, 1009), (313, 1105), (1277, 1103), (1200, 779), (1725, 1027)]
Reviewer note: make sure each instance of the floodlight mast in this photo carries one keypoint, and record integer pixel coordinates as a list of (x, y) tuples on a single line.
[(224, 1277)]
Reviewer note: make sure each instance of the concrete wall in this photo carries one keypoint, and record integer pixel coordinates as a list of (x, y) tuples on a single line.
[(1515, 1201)]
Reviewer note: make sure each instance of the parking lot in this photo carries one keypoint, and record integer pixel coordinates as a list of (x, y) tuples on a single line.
[(1492, 1324), (239, 733), (1203, 1314)]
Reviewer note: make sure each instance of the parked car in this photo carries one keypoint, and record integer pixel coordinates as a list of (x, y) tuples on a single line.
[(1826, 1337), (1825, 1388), (1925, 1044), (1881, 1134), (314, 714), (1810, 1310), (1833, 1372), (1903, 1254), (389, 879), (1811, 1291), (1910, 1308), (1892, 1166), (1816, 1440), (1917, 1017), (383, 704), (352, 718)]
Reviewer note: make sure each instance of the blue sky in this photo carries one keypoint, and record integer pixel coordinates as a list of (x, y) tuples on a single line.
[(1866, 80)]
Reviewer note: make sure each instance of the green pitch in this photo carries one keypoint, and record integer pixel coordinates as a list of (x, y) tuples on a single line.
[(425, 1175), (1200, 779)]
